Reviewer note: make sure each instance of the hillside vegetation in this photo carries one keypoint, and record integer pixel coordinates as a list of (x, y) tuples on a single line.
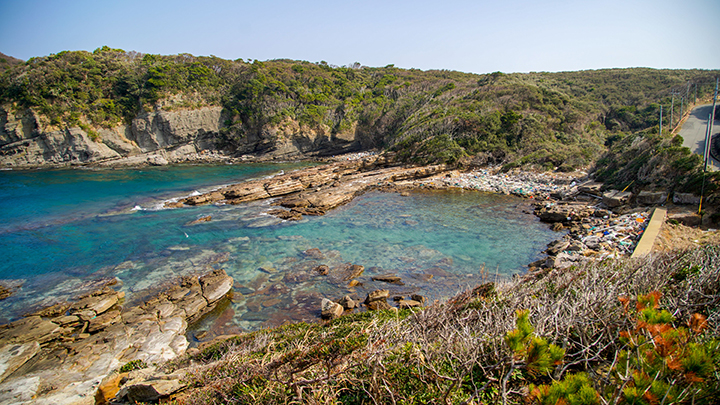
[(550, 120)]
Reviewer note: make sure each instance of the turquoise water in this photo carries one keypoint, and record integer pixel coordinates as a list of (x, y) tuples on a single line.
[(63, 231)]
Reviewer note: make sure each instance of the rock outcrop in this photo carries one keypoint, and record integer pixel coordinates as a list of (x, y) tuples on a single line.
[(159, 137), (61, 355), (316, 190)]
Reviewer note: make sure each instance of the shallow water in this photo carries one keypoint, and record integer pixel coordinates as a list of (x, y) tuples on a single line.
[(63, 230)]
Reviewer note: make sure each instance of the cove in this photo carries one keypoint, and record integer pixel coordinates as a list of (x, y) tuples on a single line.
[(64, 230)]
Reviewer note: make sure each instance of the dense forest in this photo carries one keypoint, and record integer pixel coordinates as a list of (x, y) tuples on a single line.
[(559, 121)]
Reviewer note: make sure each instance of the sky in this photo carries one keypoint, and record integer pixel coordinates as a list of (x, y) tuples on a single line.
[(464, 35)]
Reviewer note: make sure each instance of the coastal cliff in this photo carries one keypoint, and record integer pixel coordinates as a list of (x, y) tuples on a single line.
[(158, 137)]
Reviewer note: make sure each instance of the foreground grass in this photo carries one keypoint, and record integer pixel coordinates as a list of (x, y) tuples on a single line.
[(617, 331)]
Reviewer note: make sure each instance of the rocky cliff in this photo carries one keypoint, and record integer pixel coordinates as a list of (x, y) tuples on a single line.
[(158, 137)]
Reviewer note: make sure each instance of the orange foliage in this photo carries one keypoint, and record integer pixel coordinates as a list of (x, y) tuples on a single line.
[(698, 322)]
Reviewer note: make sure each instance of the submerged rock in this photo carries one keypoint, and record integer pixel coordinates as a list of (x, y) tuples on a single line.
[(388, 278)]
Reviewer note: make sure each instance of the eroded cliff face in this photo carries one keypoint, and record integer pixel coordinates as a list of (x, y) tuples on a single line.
[(160, 137)]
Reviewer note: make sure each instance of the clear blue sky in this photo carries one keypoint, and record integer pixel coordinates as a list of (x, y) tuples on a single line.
[(471, 36)]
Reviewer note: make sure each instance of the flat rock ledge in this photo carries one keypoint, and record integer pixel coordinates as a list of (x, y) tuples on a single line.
[(60, 355), (315, 190)]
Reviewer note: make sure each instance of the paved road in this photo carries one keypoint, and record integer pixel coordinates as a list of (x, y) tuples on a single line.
[(693, 132)]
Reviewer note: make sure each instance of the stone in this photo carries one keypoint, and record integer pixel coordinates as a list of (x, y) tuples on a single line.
[(354, 271), (4, 292), (405, 304), (615, 198), (314, 253), (557, 247), (271, 302), (108, 388), (193, 306), (103, 303), (377, 295), (378, 305), (12, 356), (151, 391), (322, 269), (685, 198), (419, 298), (291, 215), (104, 320), (354, 283), (157, 160), (65, 320), (590, 187), (85, 314), (330, 310), (651, 197), (347, 302), (31, 328), (686, 218), (200, 220), (388, 278), (215, 285)]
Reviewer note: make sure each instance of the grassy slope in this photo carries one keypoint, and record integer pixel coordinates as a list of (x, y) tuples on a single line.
[(460, 351)]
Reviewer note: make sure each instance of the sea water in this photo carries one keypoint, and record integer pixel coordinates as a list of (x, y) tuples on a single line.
[(64, 232)]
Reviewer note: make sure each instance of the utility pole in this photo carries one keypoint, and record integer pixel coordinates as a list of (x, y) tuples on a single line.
[(672, 110), (660, 119), (682, 107), (711, 120)]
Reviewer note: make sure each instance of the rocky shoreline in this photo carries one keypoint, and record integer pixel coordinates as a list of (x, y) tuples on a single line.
[(97, 350), (61, 354)]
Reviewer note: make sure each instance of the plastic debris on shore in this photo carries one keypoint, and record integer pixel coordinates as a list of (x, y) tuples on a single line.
[(523, 184)]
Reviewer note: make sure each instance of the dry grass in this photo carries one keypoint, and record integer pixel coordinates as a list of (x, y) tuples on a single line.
[(455, 352)]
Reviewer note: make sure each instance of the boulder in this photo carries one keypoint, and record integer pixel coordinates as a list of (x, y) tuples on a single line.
[(615, 198), (353, 271), (590, 187), (557, 247), (377, 295), (388, 278), (347, 303), (405, 304), (153, 390), (377, 300), (419, 298), (686, 218), (685, 198), (215, 285), (378, 305), (330, 310), (651, 197), (323, 270)]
